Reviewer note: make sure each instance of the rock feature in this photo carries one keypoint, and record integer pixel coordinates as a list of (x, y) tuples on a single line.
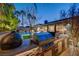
[(10, 41)]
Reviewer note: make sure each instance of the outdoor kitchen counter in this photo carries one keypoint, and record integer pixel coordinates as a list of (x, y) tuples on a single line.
[(24, 47)]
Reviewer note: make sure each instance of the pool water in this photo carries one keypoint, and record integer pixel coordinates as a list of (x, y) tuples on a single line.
[(25, 35), (42, 36)]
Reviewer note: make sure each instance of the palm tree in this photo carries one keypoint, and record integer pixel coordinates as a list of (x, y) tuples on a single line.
[(33, 19), (17, 13), (29, 16), (23, 13)]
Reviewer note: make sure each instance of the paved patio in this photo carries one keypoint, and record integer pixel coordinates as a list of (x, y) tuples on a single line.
[(24, 47)]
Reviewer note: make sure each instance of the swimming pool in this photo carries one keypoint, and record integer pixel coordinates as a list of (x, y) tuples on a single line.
[(25, 35), (42, 36)]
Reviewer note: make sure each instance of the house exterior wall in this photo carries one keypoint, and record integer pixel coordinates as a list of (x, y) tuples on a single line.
[(61, 24), (51, 28)]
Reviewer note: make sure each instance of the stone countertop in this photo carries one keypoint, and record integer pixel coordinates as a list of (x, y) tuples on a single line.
[(24, 47)]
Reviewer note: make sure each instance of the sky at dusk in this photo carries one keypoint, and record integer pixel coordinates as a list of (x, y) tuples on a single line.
[(46, 11)]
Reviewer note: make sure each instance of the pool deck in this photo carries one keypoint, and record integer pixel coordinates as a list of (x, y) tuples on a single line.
[(24, 47)]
